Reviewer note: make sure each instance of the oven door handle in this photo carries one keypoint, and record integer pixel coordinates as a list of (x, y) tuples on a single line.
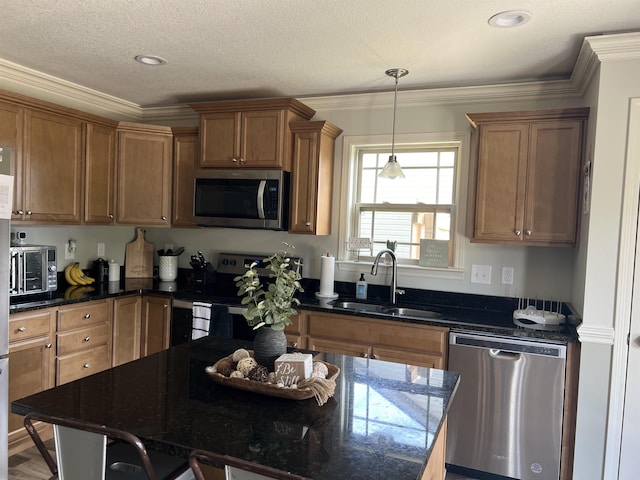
[(236, 310)]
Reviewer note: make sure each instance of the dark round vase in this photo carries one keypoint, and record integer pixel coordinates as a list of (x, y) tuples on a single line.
[(268, 345)]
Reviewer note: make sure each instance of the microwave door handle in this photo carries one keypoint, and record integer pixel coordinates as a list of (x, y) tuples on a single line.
[(14, 274), (260, 200)]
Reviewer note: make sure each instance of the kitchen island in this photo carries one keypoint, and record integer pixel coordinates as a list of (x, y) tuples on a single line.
[(385, 420)]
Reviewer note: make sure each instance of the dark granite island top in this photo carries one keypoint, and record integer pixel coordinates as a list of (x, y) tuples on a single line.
[(381, 423)]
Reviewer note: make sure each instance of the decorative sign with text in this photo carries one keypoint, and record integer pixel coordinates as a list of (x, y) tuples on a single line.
[(434, 253), (290, 368)]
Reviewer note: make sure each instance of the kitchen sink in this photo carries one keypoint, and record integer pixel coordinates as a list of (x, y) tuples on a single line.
[(410, 312), (370, 307), (386, 309)]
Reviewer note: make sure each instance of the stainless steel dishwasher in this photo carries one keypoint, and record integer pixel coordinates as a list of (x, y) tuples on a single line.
[(506, 418)]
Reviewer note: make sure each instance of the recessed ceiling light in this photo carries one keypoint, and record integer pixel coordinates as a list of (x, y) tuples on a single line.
[(510, 18), (150, 60)]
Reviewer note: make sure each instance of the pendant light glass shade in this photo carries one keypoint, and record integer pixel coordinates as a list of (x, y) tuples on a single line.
[(392, 168)]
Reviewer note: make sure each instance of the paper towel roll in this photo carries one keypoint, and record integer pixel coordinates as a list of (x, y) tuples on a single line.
[(327, 269)]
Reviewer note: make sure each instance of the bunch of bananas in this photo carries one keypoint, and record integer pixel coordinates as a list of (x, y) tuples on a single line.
[(76, 292), (74, 275)]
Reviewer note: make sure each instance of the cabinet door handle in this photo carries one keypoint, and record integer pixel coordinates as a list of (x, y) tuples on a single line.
[(308, 224), (528, 232), (29, 212), (87, 315), (517, 231), (19, 212), (87, 338), (234, 160), (365, 355), (48, 345), (374, 356), (164, 219), (111, 215), (22, 329), (242, 160), (294, 345), (86, 365)]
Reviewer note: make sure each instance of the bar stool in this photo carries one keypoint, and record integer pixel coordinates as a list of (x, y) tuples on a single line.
[(83, 453), (237, 469)]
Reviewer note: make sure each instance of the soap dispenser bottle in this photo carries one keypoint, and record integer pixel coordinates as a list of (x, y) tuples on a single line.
[(361, 288)]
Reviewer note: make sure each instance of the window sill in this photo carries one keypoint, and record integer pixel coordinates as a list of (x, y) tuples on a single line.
[(405, 270)]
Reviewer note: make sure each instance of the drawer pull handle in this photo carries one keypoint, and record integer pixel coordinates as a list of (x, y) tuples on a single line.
[(87, 338), (294, 345), (22, 329), (87, 315), (86, 365)]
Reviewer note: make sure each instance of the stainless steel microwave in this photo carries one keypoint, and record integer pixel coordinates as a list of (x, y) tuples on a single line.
[(241, 198), (32, 269)]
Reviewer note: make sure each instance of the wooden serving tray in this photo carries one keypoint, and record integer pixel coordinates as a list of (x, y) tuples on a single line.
[(269, 389)]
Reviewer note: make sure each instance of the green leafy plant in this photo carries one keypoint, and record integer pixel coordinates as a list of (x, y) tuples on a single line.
[(274, 305)]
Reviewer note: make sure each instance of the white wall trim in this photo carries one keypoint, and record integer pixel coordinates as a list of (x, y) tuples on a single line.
[(599, 334), (624, 291)]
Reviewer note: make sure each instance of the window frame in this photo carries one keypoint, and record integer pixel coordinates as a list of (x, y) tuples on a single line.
[(351, 146)]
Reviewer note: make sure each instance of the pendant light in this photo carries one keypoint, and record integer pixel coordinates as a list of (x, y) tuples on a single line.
[(392, 168)]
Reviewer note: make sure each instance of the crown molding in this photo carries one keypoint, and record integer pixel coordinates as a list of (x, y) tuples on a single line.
[(25, 81), (595, 49), (600, 334)]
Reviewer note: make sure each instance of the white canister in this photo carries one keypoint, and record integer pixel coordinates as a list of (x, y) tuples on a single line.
[(114, 271), (168, 270)]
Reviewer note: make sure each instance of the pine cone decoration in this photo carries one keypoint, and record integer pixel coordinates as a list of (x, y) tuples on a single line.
[(258, 373)]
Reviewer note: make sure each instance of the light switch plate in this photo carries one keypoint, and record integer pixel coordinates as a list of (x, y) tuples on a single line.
[(481, 274), (68, 255), (101, 249)]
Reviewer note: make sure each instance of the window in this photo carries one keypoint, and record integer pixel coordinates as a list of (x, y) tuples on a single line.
[(417, 211)]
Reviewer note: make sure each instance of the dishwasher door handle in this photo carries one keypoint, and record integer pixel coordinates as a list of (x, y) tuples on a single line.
[(497, 353)]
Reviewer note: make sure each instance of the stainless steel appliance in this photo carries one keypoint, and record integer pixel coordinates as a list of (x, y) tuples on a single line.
[(507, 416), (32, 270), (241, 198), (5, 169)]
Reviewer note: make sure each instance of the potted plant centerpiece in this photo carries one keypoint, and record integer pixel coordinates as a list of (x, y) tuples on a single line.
[(269, 308)]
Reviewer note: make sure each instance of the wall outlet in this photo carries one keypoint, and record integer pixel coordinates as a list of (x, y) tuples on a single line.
[(101, 250), (69, 254), (507, 275), (481, 274)]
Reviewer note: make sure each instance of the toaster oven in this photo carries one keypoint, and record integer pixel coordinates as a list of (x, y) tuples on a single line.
[(32, 269)]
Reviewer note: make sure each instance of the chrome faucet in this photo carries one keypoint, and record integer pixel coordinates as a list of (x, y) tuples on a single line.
[(394, 272)]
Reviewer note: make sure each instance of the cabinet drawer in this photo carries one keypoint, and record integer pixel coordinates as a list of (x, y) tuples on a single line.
[(82, 364), (82, 339), (24, 327), (369, 331), (84, 314)]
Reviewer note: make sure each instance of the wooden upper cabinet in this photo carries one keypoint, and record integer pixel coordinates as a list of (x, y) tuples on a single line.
[(53, 168), (312, 182), (100, 148), (185, 153), (250, 133), (528, 176), (144, 160), (11, 135)]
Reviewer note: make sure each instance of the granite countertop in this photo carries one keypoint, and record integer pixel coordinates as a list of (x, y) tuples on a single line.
[(380, 424), (479, 313)]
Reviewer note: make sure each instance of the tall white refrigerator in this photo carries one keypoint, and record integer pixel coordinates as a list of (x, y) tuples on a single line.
[(6, 197)]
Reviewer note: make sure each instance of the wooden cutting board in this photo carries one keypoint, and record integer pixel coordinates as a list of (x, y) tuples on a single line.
[(138, 257)]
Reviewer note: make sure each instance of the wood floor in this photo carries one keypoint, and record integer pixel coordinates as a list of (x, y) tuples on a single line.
[(29, 464)]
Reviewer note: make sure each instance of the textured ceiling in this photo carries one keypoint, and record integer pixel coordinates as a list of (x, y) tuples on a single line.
[(227, 49)]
